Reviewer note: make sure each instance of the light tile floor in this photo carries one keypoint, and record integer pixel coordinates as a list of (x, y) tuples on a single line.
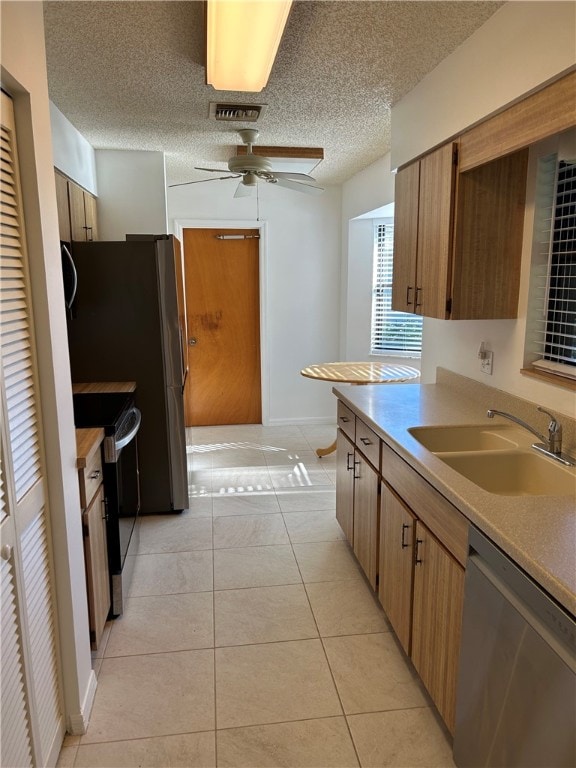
[(250, 638)]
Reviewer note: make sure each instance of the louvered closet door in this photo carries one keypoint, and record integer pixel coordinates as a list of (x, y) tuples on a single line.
[(32, 724)]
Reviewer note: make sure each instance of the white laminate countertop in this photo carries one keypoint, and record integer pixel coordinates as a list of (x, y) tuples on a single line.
[(538, 532)]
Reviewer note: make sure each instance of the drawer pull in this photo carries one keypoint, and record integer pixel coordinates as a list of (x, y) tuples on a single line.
[(95, 475), (345, 419), (405, 526), (365, 441)]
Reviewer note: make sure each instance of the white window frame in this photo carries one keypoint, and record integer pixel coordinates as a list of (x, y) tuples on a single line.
[(383, 316)]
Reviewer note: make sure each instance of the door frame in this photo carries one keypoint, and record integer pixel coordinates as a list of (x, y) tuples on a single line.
[(261, 226)]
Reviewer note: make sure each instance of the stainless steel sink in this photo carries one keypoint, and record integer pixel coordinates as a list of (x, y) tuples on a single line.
[(514, 473), (465, 438)]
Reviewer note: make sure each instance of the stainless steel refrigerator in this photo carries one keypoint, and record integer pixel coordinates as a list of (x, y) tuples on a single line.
[(126, 322)]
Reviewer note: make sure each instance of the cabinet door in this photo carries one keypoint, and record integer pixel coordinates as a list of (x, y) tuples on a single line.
[(366, 517), (435, 227), (405, 238), (488, 239), (397, 529), (96, 558), (77, 214), (345, 485), (63, 207), (437, 621), (91, 220)]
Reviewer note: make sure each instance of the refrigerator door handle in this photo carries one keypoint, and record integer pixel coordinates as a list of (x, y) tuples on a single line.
[(66, 253)]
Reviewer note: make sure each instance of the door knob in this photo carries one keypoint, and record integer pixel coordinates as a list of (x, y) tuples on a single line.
[(192, 341)]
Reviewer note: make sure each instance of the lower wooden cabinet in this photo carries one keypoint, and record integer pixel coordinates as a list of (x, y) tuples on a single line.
[(437, 621), (366, 517), (93, 502), (96, 560), (345, 485), (411, 543), (357, 504), (397, 535)]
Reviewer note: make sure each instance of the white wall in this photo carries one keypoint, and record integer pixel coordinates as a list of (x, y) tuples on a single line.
[(363, 196), (523, 45), (73, 155), (132, 193), (371, 188), (301, 290), (24, 76)]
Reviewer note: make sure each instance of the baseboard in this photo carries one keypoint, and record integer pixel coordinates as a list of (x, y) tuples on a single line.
[(78, 722), (310, 421)]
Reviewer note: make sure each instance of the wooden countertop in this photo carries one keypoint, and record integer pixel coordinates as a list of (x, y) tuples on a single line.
[(103, 386), (87, 441)]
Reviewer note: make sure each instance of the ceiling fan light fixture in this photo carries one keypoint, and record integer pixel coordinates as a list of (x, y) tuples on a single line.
[(242, 41)]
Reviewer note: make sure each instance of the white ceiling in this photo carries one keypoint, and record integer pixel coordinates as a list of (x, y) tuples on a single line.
[(130, 75)]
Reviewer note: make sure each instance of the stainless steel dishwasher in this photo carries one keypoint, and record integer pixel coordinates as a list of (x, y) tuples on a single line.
[(516, 700)]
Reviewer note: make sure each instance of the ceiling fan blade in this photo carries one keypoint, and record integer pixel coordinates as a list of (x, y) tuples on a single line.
[(309, 189), (244, 190), (201, 181), (295, 176), (212, 170)]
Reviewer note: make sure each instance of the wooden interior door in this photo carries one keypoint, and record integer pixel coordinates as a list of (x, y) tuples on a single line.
[(223, 309)]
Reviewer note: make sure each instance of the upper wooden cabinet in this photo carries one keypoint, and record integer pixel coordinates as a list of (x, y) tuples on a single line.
[(423, 220), (458, 237), (76, 211), (547, 112)]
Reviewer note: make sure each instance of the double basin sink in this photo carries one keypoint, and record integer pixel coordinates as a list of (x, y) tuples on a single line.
[(497, 459)]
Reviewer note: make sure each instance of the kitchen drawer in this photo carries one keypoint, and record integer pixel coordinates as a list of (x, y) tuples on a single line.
[(346, 420), (90, 477), (368, 442)]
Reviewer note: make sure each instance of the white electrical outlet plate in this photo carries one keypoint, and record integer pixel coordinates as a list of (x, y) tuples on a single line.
[(486, 363)]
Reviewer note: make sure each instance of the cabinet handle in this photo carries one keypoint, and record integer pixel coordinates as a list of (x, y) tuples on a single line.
[(348, 457), (417, 560), (405, 526), (95, 475), (418, 292), (365, 441), (345, 419), (356, 464), (408, 289), (105, 512)]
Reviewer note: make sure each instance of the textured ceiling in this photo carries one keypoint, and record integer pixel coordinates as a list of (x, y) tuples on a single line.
[(130, 75)]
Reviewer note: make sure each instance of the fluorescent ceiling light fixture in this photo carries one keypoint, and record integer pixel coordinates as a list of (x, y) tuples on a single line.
[(242, 40)]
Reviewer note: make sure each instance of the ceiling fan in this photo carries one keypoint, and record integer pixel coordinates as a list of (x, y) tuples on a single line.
[(251, 169)]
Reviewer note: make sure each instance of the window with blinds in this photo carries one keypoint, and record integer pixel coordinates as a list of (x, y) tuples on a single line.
[(552, 313), (393, 333)]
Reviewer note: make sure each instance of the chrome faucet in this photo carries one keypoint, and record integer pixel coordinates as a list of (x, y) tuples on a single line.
[(551, 445)]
